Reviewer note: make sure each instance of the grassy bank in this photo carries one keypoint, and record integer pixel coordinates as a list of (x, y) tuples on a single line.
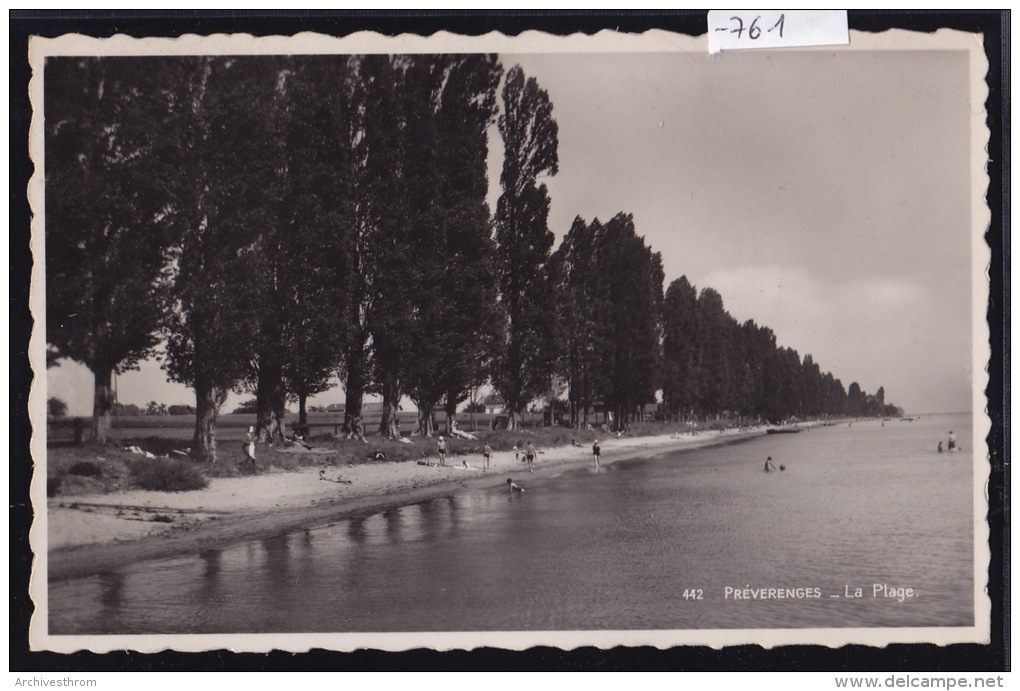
[(75, 470)]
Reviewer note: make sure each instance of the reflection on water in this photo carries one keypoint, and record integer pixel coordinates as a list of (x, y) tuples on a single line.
[(658, 543)]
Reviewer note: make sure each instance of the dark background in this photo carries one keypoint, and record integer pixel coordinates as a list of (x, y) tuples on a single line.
[(994, 25)]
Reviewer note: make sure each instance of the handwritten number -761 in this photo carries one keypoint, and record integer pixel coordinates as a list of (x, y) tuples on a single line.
[(754, 31)]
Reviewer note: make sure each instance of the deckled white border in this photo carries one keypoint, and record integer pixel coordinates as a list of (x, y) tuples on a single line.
[(528, 42)]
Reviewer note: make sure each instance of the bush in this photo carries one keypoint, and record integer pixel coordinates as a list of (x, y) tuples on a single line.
[(126, 409), (52, 486), (156, 409), (168, 475), (85, 469), (56, 407), (249, 406)]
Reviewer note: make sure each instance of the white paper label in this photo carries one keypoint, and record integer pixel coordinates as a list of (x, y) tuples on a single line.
[(742, 29)]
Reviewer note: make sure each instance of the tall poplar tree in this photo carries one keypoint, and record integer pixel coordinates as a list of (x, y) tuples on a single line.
[(318, 225), (525, 360), (681, 375), (716, 349), (108, 230), (634, 276), (370, 128), (212, 307), (454, 302), (289, 144), (385, 197), (609, 302), (582, 293), (268, 164)]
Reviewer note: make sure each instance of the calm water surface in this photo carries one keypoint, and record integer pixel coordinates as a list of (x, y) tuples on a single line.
[(857, 506)]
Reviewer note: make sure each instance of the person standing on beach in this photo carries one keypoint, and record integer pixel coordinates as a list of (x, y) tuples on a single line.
[(768, 464), (529, 455), (441, 448), (249, 446), (952, 441), (596, 451), (487, 454)]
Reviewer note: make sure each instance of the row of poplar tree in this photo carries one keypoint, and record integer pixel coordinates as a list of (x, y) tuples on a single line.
[(274, 222)]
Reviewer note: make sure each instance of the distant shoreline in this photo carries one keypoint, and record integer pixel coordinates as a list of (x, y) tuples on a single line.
[(91, 538)]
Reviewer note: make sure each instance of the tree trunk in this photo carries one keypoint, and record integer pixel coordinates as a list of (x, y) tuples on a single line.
[(451, 412), (302, 409), (390, 410), (354, 427), (279, 414), (270, 400), (354, 388), (102, 406), (207, 405), (513, 422), (426, 423)]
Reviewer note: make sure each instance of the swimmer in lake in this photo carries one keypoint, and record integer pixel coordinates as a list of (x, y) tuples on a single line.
[(514, 487), (768, 465)]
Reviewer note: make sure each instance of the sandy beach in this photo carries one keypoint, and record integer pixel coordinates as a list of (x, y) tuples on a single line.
[(90, 534)]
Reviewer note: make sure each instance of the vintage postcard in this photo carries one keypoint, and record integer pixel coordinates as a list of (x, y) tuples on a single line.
[(450, 342)]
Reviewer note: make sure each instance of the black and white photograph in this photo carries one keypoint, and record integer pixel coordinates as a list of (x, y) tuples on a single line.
[(395, 342)]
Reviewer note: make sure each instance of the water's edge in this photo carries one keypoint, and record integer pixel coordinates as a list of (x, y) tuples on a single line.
[(93, 559)]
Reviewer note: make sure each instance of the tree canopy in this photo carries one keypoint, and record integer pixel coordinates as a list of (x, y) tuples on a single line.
[(278, 222)]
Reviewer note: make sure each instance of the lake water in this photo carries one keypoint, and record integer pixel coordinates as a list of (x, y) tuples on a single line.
[(856, 506)]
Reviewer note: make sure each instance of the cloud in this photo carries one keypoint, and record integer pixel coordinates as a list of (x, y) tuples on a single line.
[(753, 292), (881, 293)]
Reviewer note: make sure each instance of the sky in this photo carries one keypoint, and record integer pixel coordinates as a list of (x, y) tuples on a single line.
[(824, 194)]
